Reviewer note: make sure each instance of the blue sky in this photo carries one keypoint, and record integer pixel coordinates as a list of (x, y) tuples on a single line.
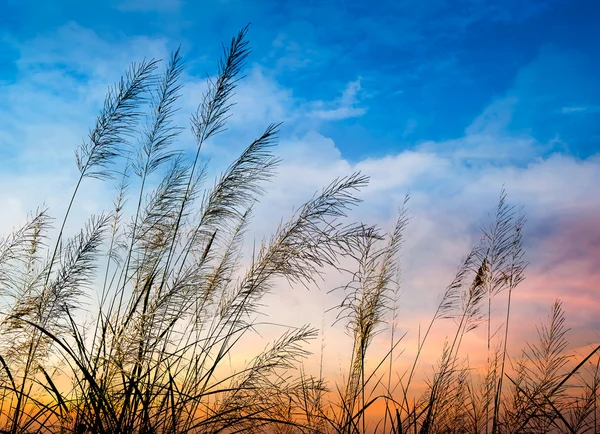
[(424, 70), (447, 99)]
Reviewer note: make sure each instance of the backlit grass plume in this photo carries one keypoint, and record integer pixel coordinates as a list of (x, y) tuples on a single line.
[(130, 324)]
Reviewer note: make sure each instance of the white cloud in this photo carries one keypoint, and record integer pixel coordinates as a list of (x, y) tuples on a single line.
[(449, 202), (487, 141), (63, 80), (292, 55), (343, 108), (580, 109), (411, 124), (494, 119), (339, 113), (573, 109), (452, 183), (74, 50)]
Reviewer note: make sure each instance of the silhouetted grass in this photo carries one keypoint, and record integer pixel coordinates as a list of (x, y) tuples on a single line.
[(172, 304)]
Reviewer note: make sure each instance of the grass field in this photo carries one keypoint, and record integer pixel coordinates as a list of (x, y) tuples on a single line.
[(173, 301)]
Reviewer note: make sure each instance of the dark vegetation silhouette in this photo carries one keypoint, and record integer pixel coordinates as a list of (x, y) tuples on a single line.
[(172, 304)]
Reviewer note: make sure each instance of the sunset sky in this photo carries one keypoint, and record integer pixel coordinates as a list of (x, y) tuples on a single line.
[(449, 100)]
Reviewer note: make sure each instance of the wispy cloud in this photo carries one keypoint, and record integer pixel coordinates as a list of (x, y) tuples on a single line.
[(347, 106), (76, 49), (580, 109), (62, 80), (292, 53)]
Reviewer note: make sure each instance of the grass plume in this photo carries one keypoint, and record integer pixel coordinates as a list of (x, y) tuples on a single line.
[(129, 325)]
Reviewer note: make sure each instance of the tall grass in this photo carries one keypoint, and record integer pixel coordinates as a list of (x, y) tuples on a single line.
[(173, 304)]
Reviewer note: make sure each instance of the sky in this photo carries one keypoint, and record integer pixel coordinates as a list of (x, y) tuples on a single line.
[(450, 100)]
